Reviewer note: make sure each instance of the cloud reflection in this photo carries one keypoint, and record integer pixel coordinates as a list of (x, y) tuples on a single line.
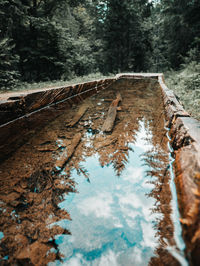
[(99, 205), (112, 221)]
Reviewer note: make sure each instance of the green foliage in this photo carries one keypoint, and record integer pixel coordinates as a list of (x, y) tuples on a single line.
[(9, 74), (125, 39), (43, 40), (186, 84), (178, 29), (21, 86), (193, 56), (9, 60)]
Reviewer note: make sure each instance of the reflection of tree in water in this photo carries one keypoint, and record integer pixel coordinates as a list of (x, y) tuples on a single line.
[(113, 149), (164, 226), (30, 205), (157, 161)]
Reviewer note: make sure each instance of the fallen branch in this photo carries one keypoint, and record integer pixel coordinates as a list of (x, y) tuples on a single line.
[(112, 112), (66, 156)]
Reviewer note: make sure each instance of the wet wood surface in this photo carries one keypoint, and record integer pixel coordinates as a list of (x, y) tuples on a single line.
[(112, 113), (81, 111), (65, 157)]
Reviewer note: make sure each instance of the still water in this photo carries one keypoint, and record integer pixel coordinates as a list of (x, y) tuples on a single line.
[(114, 201), (112, 221)]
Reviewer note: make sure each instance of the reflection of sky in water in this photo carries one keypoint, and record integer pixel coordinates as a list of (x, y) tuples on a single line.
[(1, 235), (111, 222)]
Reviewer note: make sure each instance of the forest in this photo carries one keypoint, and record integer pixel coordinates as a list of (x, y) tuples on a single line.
[(105, 172), (48, 40)]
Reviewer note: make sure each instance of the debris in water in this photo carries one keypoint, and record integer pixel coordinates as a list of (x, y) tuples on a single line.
[(65, 157), (112, 112), (81, 111)]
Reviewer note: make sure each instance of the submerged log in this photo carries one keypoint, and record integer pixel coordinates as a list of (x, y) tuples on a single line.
[(81, 111), (112, 112), (66, 156)]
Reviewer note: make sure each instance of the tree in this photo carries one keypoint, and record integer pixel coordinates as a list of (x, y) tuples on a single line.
[(124, 36), (9, 74), (9, 60), (180, 27)]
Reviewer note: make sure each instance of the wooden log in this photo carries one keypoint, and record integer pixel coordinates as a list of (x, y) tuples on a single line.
[(81, 111), (112, 112), (66, 156)]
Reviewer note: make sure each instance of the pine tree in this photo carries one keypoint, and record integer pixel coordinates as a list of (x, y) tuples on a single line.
[(180, 28), (124, 36), (9, 74), (9, 60)]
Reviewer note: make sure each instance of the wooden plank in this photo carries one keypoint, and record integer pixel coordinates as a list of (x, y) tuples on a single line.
[(66, 156), (81, 111), (112, 112)]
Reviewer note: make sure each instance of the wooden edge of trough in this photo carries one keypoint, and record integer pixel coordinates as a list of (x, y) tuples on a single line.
[(185, 140), (18, 104), (183, 129)]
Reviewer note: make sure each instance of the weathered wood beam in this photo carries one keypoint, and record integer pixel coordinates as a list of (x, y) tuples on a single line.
[(81, 111), (66, 156), (112, 112)]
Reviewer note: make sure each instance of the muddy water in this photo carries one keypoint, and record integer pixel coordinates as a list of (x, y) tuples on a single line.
[(110, 201)]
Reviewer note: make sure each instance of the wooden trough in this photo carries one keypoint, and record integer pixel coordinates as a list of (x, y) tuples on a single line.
[(21, 114)]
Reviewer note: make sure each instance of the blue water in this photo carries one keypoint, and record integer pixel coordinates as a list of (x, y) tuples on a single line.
[(112, 221), (1, 235)]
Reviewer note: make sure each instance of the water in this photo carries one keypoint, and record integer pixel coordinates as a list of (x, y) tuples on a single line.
[(175, 215), (113, 203), (112, 222)]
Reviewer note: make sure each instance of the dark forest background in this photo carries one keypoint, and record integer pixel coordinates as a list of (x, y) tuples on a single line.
[(44, 40)]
